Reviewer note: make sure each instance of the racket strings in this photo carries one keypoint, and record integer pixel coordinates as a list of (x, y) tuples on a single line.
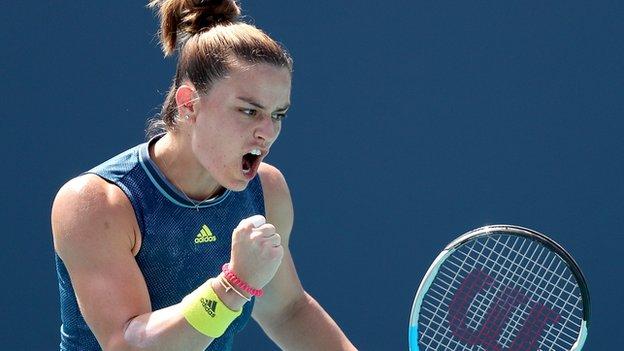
[(543, 283), (436, 331), (539, 281), (522, 280), (512, 262)]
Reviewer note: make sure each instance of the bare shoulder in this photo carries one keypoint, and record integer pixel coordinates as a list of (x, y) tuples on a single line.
[(277, 200), (95, 231), (89, 210)]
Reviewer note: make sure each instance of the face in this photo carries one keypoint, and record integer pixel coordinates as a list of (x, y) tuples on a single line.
[(238, 120)]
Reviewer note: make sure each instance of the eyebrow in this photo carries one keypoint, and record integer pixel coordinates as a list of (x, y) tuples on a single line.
[(258, 105)]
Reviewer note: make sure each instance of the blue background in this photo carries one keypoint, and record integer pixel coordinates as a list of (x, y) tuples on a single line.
[(412, 122)]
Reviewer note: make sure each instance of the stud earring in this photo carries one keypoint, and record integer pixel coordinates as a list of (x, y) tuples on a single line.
[(186, 117)]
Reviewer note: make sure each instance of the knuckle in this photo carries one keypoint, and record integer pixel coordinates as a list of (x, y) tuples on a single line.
[(252, 221), (256, 221), (245, 228)]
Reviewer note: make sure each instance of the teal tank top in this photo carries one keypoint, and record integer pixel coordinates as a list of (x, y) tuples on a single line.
[(182, 246)]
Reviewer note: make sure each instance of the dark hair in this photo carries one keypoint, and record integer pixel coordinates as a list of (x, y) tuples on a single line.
[(210, 40)]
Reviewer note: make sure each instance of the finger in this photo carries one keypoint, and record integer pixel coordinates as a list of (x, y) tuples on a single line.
[(252, 222), (273, 240), (261, 235), (257, 220), (266, 230), (277, 240)]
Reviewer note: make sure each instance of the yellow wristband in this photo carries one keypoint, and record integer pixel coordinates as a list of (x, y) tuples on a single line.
[(205, 311)]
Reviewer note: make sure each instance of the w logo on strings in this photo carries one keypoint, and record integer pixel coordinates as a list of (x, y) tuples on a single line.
[(497, 315)]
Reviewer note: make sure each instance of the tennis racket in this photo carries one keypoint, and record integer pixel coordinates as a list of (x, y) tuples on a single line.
[(501, 288)]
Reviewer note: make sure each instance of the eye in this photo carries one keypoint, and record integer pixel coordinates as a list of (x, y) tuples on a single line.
[(278, 116), (249, 112)]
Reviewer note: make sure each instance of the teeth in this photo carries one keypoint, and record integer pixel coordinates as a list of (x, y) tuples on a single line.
[(255, 152)]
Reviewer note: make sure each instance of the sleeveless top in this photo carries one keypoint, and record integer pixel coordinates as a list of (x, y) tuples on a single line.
[(182, 246)]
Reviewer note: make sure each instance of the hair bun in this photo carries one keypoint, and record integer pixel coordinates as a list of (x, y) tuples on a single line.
[(208, 13), (191, 17)]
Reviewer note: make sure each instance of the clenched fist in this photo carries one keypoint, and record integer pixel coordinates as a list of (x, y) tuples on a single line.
[(257, 251)]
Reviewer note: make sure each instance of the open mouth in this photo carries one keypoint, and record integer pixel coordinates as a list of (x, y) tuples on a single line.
[(250, 162)]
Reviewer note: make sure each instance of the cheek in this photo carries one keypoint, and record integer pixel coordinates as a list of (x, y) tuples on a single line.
[(205, 143), (216, 144), (211, 155), (278, 128)]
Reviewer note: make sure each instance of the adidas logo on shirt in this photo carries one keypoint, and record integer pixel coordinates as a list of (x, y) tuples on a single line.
[(205, 236)]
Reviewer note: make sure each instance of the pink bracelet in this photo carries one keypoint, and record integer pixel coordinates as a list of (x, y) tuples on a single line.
[(238, 282)]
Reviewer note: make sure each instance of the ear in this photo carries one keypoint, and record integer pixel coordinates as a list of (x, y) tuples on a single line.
[(186, 96)]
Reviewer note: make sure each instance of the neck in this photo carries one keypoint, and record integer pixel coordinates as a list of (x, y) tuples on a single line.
[(174, 157)]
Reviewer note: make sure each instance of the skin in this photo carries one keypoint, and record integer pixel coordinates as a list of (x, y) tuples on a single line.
[(97, 235)]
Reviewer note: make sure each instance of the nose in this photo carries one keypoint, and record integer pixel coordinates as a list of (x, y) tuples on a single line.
[(267, 130)]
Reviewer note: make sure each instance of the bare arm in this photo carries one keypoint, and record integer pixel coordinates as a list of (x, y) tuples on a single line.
[(96, 236), (289, 315)]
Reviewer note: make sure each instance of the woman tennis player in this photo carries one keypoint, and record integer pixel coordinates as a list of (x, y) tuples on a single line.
[(176, 243)]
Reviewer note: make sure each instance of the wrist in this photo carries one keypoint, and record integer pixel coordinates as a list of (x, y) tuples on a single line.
[(205, 311), (230, 298), (238, 283)]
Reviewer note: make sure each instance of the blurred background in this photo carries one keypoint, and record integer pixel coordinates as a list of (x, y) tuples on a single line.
[(412, 122)]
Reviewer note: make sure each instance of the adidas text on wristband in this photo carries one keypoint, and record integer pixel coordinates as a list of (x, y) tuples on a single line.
[(204, 311)]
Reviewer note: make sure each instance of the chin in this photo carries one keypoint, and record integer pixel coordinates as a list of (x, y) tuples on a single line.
[(237, 185)]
